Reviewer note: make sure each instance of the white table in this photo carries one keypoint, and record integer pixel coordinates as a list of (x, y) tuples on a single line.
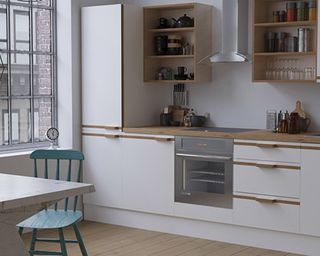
[(21, 197)]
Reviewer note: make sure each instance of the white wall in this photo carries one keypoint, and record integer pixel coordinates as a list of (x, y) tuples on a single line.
[(233, 100)]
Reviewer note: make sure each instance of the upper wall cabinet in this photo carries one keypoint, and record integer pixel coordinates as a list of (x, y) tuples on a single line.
[(176, 40), (284, 41)]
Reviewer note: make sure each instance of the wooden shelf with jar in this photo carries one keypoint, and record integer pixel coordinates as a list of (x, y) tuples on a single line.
[(286, 61), (177, 35)]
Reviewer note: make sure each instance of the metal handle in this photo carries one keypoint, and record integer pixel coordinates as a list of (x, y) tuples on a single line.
[(212, 157), (107, 136)]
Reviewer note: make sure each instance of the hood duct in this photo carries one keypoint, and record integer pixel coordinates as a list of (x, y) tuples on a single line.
[(235, 28)]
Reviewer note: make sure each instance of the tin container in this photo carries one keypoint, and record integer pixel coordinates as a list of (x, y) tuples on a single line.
[(270, 42), (302, 11), (304, 36), (291, 44), (312, 6)]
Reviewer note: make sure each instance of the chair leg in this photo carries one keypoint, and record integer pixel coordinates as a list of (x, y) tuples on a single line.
[(62, 243), (33, 241), (20, 231), (79, 238)]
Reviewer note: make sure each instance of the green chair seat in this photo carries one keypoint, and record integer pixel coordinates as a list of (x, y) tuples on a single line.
[(51, 219)]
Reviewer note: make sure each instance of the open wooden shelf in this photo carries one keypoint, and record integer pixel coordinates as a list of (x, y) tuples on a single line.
[(170, 56), (171, 30), (285, 54), (198, 37), (262, 12), (287, 24)]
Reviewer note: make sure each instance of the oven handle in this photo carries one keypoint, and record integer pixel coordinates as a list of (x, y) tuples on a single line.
[(212, 157)]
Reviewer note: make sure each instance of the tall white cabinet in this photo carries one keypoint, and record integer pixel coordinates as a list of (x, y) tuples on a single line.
[(102, 61)]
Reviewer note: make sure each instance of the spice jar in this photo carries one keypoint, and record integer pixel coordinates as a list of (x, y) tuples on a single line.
[(301, 11), (275, 16), (312, 5), (291, 11), (282, 16)]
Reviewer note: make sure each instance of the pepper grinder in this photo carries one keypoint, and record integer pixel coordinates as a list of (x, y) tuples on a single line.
[(283, 118)]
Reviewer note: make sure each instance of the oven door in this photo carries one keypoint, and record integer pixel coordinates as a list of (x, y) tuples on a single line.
[(204, 179)]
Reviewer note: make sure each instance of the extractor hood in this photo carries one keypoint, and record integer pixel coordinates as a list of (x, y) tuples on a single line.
[(235, 20)]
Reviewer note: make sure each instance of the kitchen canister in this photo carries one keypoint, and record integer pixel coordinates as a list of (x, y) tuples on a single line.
[(304, 36), (312, 6), (174, 45)]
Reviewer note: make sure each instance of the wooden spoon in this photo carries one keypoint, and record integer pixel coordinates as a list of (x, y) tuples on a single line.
[(299, 110)]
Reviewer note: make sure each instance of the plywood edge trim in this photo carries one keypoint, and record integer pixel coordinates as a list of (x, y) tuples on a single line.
[(273, 200), (271, 166), (262, 145), (101, 127)]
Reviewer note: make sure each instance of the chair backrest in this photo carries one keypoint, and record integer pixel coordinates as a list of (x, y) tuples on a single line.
[(58, 156)]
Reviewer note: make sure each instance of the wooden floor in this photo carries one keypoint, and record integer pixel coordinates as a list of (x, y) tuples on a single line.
[(104, 239)]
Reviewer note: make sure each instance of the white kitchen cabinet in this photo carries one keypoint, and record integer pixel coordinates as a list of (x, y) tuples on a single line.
[(101, 46), (102, 167), (310, 191), (148, 175)]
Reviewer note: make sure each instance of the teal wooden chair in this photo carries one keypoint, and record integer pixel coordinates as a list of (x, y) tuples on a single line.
[(56, 218)]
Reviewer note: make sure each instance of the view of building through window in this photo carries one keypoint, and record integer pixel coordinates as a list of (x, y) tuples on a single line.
[(27, 75)]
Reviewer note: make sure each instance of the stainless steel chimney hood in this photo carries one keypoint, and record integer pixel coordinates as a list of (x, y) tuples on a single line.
[(235, 30)]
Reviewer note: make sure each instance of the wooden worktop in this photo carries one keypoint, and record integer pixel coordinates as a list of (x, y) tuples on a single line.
[(251, 135)]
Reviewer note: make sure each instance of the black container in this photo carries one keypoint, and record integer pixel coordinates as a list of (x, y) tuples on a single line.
[(282, 16), (291, 44), (197, 121), (280, 42), (270, 42), (165, 119), (160, 45)]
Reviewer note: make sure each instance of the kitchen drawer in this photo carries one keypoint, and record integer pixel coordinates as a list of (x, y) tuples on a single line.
[(272, 216), (267, 178), (204, 145), (267, 151)]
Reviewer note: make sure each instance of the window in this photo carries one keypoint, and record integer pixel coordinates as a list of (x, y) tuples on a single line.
[(27, 71)]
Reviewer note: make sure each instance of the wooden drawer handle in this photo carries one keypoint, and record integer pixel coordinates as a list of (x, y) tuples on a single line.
[(146, 138), (107, 136), (271, 166), (101, 127), (261, 145), (266, 200)]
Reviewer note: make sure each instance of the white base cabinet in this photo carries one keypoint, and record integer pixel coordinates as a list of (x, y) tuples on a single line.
[(130, 172), (148, 175), (310, 191), (102, 167)]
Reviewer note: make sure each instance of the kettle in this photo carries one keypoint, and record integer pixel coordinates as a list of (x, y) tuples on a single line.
[(183, 21)]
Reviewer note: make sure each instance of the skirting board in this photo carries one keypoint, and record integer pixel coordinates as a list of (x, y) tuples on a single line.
[(293, 243)]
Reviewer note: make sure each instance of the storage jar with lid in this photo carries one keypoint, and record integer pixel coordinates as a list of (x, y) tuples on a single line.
[(302, 11), (312, 5), (269, 42), (291, 11)]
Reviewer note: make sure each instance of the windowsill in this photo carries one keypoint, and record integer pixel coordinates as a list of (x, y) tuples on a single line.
[(22, 151)]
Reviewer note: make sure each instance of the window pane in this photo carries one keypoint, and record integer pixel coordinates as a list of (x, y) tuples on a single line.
[(20, 27), (20, 75), (3, 26), (42, 117), (4, 124), (43, 3), (3, 74), (42, 36), (21, 122), (42, 75)]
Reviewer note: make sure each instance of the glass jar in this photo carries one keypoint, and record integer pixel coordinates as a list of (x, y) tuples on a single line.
[(291, 11), (312, 6), (302, 11)]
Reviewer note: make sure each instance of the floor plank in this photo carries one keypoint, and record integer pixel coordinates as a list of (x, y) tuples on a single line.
[(108, 240)]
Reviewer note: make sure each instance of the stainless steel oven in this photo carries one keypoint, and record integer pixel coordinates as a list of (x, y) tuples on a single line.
[(204, 171)]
